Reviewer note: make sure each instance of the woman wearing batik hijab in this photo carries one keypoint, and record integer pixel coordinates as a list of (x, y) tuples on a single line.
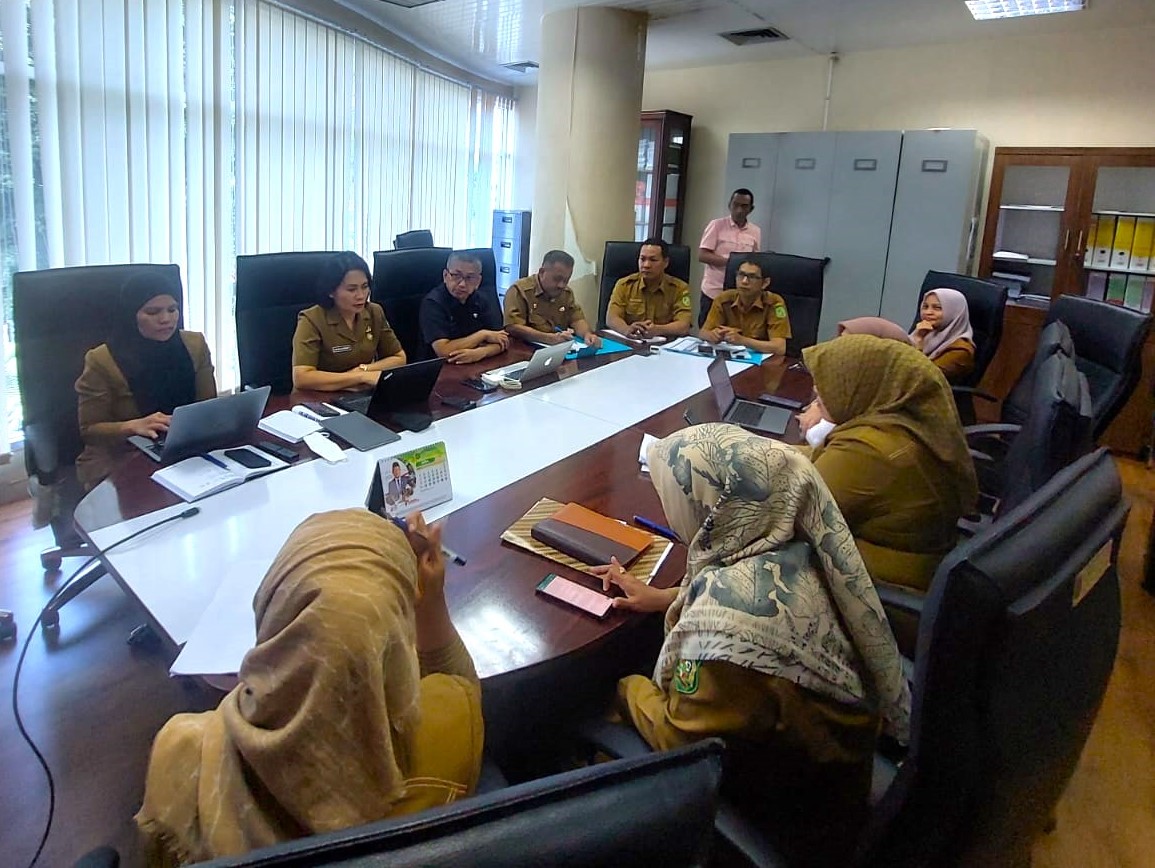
[(131, 384), (944, 333), (358, 702), (775, 640), (896, 460)]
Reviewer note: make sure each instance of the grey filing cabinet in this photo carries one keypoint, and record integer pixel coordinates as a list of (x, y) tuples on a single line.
[(510, 247), (885, 206)]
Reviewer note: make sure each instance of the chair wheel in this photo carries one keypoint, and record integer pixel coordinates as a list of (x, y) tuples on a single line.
[(7, 626), (50, 562), (50, 619), (143, 637)]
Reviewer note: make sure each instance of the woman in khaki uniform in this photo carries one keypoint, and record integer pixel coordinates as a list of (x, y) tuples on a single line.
[(131, 385), (344, 341), (896, 461), (358, 702), (775, 639), (944, 333)]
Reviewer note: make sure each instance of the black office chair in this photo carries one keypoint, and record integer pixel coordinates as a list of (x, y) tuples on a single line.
[(272, 288), (986, 303), (1108, 341), (1054, 338), (1017, 640), (799, 280), (412, 239), (654, 810), (621, 260), (401, 278), (58, 315)]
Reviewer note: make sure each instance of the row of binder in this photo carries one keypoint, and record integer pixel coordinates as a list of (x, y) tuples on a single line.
[(1125, 243), (1130, 290)]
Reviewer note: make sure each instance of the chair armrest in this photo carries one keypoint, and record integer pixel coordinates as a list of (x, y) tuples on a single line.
[(974, 393), (618, 740), (990, 429), (898, 597)]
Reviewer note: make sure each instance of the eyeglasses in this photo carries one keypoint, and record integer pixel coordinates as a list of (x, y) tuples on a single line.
[(747, 275), (458, 277)]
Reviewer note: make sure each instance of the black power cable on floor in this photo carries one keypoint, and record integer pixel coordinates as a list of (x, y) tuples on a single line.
[(188, 513)]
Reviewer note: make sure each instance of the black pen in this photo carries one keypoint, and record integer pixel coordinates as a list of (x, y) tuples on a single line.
[(659, 529)]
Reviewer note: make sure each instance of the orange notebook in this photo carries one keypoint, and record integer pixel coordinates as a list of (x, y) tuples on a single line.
[(591, 537)]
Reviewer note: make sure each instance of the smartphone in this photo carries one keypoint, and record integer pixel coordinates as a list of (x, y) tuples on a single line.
[(320, 409), (578, 596), (282, 452), (778, 401), (247, 458), (479, 384)]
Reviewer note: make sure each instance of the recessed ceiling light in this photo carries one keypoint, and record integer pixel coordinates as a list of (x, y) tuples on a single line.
[(985, 10)]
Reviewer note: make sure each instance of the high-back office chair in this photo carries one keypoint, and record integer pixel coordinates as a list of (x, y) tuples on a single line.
[(58, 315), (413, 238), (799, 280), (621, 260), (401, 278), (272, 288), (1054, 338), (654, 810), (1108, 341), (986, 303)]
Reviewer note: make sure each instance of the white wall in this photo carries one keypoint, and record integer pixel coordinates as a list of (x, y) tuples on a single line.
[(1096, 89)]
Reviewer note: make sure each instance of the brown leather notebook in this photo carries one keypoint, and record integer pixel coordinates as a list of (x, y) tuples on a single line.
[(591, 537)]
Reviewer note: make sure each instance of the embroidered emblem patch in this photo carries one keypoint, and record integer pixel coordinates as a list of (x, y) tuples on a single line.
[(686, 676), (685, 299), (779, 311)]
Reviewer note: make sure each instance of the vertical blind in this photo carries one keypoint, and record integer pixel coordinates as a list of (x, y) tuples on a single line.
[(190, 131)]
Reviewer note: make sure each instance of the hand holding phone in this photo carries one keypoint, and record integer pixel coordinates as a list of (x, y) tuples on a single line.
[(575, 595)]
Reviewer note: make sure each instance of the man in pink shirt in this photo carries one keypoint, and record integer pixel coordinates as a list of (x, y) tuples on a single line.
[(726, 235)]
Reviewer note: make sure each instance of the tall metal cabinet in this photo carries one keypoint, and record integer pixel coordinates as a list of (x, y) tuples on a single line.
[(510, 247), (886, 207)]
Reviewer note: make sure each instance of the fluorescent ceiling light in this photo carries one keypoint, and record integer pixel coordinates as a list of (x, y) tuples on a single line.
[(985, 10)]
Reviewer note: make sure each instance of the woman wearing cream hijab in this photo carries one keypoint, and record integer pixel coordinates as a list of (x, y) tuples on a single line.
[(944, 333), (358, 702), (775, 639)]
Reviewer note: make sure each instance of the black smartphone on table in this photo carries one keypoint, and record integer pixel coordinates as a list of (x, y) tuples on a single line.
[(479, 384)]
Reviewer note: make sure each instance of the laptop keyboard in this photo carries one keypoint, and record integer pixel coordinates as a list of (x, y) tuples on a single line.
[(746, 413)]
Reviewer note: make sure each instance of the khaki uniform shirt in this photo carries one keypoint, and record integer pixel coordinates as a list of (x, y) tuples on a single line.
[(527, 304), (670, 302), (765, 319), (324, 342), (956, 361)]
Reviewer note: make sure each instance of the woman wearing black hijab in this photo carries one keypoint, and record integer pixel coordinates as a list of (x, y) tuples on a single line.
[(131, 384)]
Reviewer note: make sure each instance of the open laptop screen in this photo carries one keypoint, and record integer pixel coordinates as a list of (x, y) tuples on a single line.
[(720, 385)]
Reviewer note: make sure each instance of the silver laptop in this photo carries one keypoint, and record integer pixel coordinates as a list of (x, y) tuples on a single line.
[(544, 361), (748, 414), (206, 425)]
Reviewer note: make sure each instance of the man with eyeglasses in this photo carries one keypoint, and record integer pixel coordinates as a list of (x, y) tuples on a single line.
[(650, 303), (750, 315), (542, 309), (461, 324)]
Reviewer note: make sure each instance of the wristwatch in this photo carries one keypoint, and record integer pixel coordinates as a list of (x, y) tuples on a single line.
[(364, 368)]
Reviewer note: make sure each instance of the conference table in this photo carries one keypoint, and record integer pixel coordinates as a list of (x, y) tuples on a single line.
[(572, 436)]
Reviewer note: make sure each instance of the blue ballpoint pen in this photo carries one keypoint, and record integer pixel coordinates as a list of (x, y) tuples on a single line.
[(214, 460), (659, 529), (450, 554)]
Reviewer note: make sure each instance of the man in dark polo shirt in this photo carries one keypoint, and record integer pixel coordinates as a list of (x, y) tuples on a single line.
[(542, 309), (461, 324)]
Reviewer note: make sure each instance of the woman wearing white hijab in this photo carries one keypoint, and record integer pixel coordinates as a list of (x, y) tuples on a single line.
[(775, 639), (944, 333)]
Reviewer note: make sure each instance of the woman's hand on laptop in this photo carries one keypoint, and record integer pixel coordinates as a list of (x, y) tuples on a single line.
[(148, 426)]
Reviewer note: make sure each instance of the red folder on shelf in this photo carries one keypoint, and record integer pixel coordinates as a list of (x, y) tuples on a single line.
[(591, 537)]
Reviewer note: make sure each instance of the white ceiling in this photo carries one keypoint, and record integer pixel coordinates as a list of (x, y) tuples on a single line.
[(480, 35)]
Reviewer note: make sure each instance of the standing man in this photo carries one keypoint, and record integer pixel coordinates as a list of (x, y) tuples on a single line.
[(650, 303), (750, 316), (459, 323), (726, 235), (541, 308)]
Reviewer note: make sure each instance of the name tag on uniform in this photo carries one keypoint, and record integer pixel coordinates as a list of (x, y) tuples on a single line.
[(338, 350)]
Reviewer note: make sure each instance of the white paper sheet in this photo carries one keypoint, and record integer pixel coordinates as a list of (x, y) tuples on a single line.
[(228, 629)]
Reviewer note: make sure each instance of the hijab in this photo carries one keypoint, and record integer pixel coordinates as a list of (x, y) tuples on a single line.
[(774, 581), (869, 382), (956, 319), (873, 325), (317, 734), (160, 374)]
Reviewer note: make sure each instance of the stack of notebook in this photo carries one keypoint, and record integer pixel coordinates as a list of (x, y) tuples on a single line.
[(591, 537)]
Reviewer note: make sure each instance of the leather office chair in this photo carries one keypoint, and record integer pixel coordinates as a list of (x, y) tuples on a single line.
[(1054, 338), (58, 315), (1108, 341), (986, 303), (272, 288), (621, 260), (799, 280), (413, 238), (1017, 640), (654, 810), (401, 278)]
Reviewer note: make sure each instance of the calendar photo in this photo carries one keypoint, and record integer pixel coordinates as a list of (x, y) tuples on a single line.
[(415, 480)]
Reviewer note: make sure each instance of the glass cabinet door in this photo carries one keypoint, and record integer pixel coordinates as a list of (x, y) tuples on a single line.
[(646, 192), (1118, 256), (1031, 233)]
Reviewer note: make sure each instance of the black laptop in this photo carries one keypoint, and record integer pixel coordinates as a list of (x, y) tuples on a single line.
[(207, 425), (400, 397), (748, 414)]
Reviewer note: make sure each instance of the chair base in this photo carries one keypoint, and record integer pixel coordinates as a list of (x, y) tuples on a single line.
[(50, 617)]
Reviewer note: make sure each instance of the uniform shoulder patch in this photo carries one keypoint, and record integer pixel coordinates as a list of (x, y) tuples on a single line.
[(780, 310), (684, 299), (686, 676)]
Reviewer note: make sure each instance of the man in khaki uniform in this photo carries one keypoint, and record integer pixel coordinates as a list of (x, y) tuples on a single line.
[(541, 308), (750, 316), (650, 303)]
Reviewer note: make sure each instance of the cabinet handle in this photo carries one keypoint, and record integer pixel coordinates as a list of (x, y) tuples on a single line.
[(1079, 249), (1066, 239)]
